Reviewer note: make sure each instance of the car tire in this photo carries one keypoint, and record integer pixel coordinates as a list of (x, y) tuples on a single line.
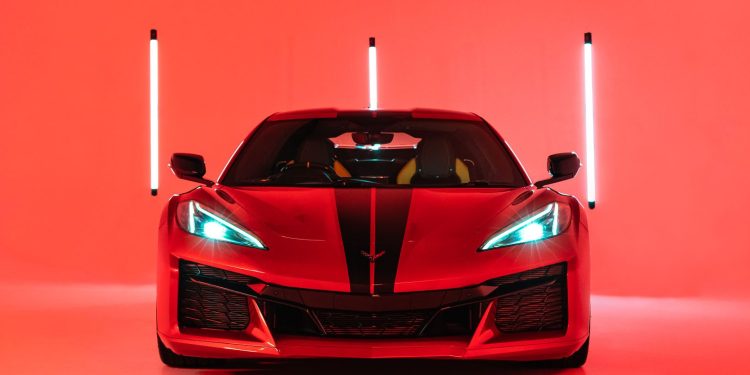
[(172, 359), (577, 359)]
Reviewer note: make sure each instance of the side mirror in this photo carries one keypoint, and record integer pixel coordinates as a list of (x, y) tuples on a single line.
[(189, 167), (563, 166)]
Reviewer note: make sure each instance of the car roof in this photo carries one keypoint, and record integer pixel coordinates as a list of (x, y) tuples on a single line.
[(422, 113)]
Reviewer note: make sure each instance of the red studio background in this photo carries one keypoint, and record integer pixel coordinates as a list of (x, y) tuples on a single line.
[(672, 88)]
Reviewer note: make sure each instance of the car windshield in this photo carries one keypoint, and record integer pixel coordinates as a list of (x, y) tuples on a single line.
[(374, 151)]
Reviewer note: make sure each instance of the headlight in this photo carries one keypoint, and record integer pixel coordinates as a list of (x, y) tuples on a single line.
[(549, 221), (198, 220)]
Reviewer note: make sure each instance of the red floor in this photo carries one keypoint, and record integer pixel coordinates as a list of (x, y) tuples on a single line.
[(110, 330)]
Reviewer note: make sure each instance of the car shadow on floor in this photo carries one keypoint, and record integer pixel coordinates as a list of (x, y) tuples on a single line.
[(379, 367)]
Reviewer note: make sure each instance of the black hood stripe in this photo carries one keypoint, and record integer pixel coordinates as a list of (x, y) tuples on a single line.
[(391, 215), (353, 208)]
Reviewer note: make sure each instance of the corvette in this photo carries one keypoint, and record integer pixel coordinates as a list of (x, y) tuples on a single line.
[(373, 234)]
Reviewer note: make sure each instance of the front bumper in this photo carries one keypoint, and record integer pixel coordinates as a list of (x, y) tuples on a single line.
[(302, 347), (522, 316)]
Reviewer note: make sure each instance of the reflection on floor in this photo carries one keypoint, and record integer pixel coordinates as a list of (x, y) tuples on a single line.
[(110, 330)]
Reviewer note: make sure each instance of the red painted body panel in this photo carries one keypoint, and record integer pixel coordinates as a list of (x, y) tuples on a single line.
[(444, 229), (333, 112), (304, 114)]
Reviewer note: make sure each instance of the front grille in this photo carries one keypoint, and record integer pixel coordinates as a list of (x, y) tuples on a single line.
[(380, 324), (537, 308), (530, 301), (201, 306)]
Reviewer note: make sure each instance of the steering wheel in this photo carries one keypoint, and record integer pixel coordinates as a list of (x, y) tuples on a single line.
[(307, 172)]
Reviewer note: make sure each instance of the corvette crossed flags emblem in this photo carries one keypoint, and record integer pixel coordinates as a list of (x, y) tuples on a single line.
[(372, 258)]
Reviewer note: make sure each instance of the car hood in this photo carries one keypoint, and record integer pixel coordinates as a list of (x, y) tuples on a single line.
[(370, 240)]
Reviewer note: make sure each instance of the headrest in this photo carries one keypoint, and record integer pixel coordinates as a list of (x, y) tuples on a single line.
[(435, 159), (316, 150)]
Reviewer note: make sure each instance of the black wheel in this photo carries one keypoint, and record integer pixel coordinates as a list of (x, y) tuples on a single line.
[(172, 359), (577, 359)]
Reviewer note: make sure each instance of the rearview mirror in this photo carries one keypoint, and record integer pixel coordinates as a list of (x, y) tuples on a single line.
[(563, 166), (189, 167), (363, 138)]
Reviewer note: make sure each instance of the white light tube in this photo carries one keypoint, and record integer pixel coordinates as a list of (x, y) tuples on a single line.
[(154, 110), (589, 103), (373, 74)]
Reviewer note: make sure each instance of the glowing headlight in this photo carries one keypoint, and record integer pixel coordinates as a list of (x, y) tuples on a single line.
[(196, 219), (549, 221)]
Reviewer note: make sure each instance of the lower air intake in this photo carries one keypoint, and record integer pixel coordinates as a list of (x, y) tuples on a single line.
[(537, 309), (201, 306)]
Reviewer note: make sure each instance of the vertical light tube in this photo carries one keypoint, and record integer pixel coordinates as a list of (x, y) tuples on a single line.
[(588, 79), (373, 73), (154, 110)]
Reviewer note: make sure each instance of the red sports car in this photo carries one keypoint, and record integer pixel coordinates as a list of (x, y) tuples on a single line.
[(373, 234)]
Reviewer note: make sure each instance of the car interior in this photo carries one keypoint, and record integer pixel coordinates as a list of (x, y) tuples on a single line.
[(349, 153), (429, 161)]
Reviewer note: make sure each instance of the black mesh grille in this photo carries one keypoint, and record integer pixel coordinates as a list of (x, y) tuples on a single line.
[(194, 269), (530, 301), (537, 273), (535, 309), (381, 324), (203, 306)]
